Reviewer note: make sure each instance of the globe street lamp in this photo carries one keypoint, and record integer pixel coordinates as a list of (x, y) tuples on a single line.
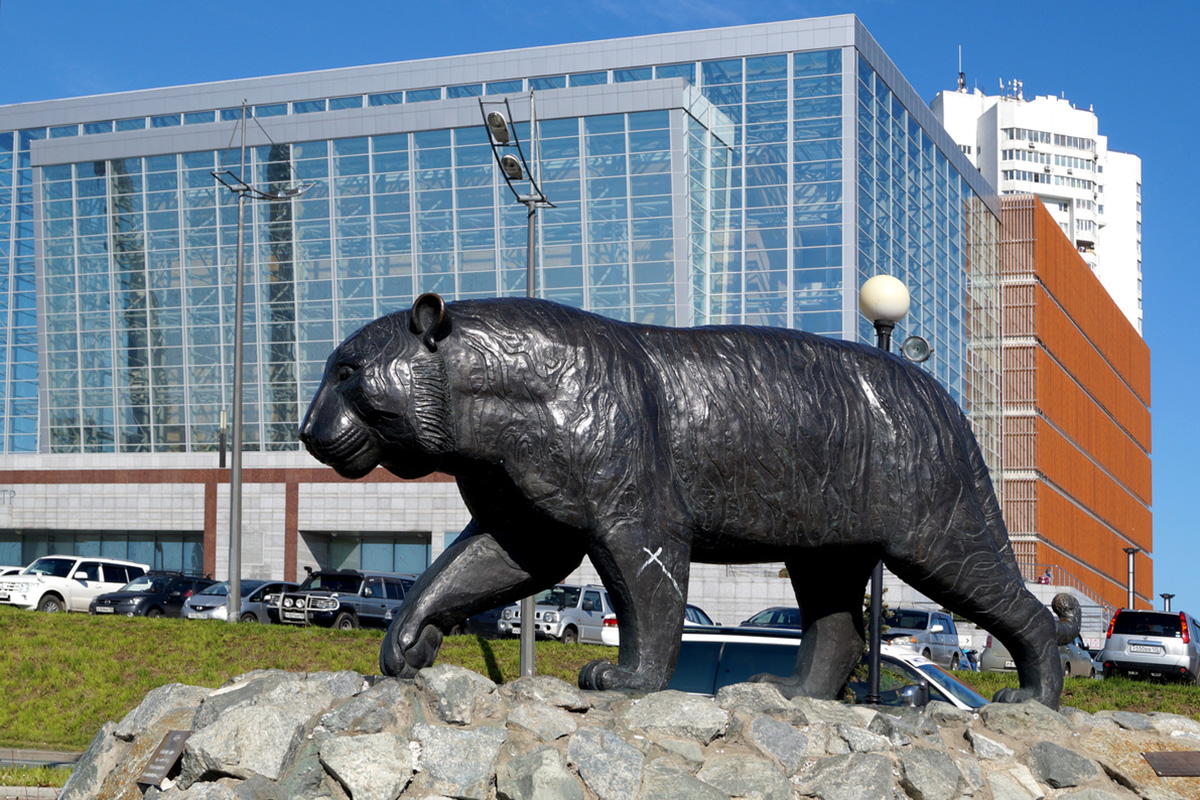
[(884, 301)]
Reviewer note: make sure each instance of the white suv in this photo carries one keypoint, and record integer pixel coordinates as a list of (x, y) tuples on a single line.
[(67, 583), (567, 613)]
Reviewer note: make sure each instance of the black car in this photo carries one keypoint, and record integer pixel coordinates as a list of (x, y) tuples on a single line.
[(155, 594)]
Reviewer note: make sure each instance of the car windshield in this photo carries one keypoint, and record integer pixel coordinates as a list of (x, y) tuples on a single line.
[(952, 685), (776, 616), (906, 618), (218, 589), (346, 584), (56, 567), (1148, 623), (146, 583), (561, 596)]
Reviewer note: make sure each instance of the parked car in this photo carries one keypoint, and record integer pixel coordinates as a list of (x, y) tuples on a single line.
[(213, 602), (485, 624), (1152, 645), (930, 633), (775, 617), (67, 583), (710, 658), (693, 616), (1074, 656), (564, 612), (342, 598), (155, 594)]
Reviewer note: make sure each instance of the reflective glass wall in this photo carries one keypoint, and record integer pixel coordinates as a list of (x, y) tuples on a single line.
[(138, 256), (821, 176)]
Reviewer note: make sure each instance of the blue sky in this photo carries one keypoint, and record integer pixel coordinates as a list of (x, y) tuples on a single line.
[(1135, 64)]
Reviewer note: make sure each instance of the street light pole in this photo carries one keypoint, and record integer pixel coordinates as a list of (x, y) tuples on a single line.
[(1131, 551), (884, 301), (1166, 596), (244, 192), (515, 167)]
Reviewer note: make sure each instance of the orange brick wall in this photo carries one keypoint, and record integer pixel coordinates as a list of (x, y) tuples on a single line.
[(1077, 426)]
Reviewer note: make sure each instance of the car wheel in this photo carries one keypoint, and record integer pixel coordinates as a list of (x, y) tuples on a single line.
[(570, 636), (457, 630), (926, 654), (154, 613), (345, 621), (1092, 674), (51, 604), (249, 617), (955, 661)]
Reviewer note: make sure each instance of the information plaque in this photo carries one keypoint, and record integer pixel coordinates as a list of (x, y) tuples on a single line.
[(164, 757)]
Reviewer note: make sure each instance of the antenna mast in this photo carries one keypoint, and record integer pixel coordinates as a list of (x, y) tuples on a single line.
[(962, 76)]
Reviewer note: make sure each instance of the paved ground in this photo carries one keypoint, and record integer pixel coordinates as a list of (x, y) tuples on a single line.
[(27, 793), (37, 758)]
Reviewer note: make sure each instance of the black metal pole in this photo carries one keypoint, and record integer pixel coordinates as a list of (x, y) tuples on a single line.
[(883, 338)]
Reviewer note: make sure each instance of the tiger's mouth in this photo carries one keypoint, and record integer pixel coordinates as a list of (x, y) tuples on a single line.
[(353, 452)]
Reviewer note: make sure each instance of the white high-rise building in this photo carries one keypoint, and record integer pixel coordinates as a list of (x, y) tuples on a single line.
[(1049, 148)]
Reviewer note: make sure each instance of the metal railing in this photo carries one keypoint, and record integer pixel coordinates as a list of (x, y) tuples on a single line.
[(1036, 573)]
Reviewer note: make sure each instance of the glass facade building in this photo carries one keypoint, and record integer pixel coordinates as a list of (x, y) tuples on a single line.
[(752, 175)]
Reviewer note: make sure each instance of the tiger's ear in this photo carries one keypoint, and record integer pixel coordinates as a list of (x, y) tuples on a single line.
[(429, 320)]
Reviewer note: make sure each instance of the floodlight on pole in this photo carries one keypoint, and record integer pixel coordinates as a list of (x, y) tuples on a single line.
[(884, 301), (511, 166), (244, 191), (514, 166), (498, 126)]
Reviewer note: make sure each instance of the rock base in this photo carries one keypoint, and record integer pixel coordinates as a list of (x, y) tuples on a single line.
[(452, 733)]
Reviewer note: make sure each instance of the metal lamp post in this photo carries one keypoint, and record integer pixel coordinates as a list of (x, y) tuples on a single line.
[(1166, 596), (1131, 551), (244, 192), (884, 301), (514, 166)]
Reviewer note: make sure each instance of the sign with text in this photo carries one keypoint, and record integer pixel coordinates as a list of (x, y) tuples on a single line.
[(164, 757)]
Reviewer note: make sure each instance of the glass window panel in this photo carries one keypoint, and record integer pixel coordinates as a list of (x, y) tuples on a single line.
[(686, 71), (271, 110), (466, 90), (722, 72), (308, 106), (630, 75), (131, 124), (386, 99), (199, 117), (166, 121), (588, 78), (505, 87), (339, 103), (762, 68), (422, 95), (820, 62), (830, 85), (548, 82)]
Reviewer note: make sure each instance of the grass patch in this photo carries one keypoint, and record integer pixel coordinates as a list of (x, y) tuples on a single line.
[(64, 675), (34, 776), (1110, 694)]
